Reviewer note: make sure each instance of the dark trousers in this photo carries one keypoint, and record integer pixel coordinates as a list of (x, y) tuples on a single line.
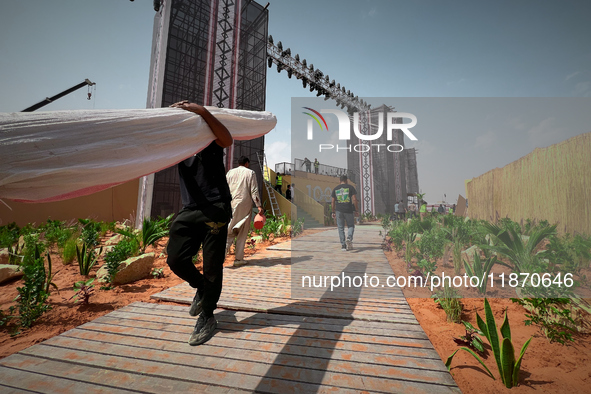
[(278, 188), (191, 229)]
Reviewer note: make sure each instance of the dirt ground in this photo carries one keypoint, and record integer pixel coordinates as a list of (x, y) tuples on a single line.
[(66, 314), (546, 367)]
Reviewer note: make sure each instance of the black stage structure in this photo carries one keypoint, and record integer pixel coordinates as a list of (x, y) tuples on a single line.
[(212, 52)]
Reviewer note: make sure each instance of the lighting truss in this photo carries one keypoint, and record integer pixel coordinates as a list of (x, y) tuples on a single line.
[(313, 78)]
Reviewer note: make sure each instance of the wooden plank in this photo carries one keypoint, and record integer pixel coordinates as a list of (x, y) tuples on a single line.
[(271, 318), (138, 350), (254, 320), (242, 375), (239, 349), (239, 373), (286, 330), (223, 335), (46, 375)]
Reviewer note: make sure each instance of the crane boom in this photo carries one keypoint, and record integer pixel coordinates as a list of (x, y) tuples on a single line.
[(57, 96)]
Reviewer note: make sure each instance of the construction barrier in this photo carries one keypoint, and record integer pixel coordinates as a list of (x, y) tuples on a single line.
[(552, 183)]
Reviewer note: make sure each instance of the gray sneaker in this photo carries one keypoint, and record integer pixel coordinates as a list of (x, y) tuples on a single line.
[(196, 305), (349, 245), (204, 329)]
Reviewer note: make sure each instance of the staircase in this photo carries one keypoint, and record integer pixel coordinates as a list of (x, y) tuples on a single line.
[(309, 221), (270, 191)]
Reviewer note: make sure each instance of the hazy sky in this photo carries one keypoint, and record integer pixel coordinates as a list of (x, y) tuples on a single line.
[(390, 48)]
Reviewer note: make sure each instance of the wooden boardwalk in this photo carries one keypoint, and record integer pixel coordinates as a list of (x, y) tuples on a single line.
[(265, 342)]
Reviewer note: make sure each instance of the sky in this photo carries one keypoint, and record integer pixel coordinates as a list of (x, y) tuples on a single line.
[(387, 49)]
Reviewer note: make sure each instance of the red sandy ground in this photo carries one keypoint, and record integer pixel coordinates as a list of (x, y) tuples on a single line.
[(66, 314), (546, 367)]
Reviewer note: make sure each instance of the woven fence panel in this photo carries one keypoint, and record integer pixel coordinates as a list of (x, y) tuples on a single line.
[(552, 183)]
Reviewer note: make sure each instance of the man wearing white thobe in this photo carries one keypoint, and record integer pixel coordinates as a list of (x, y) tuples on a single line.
[(244, 191)]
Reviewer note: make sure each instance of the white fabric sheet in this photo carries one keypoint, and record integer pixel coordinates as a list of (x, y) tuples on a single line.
[(52, 156)]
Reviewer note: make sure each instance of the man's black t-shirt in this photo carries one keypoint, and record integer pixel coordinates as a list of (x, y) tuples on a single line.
[(203, 178), (343, 194)]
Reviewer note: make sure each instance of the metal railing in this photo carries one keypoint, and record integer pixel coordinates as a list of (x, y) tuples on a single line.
[(323, 169)]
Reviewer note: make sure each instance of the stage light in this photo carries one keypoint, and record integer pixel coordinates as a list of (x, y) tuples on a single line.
[(270, 62), (270, 38), (280, 46), (297, 57), (289, 72), (304, 63), (279, 68)]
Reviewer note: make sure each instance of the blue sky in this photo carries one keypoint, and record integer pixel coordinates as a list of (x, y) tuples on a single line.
[(392, 48)]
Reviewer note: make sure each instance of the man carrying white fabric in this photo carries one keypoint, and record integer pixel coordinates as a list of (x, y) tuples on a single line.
[(244, 191)]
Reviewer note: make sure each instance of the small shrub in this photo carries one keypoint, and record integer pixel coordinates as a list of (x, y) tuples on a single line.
[(448, 299), (503, 349), (69, 251), (86, 258), (84, 290), (90, 232), (32, 297), (125, 249), (427, 267), (297, 228), (157, 273), (551, 315), (481, 268), (471, 339)]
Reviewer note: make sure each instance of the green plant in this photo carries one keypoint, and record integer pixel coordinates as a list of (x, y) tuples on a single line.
[(90, 232), (458, 231), (152, 231), (297, 227), (448, 299), (69, 252), (106, 226), (502, 349), (471, 339), (49, 275), (125, 249), (86, 258), (9, 235), (510, 243), (431, 245), (6, 318), (397, 234), (551, 315), (410, 250), (480, 268), (84, 290), (32, 297), (157, 273), (427, 267)]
